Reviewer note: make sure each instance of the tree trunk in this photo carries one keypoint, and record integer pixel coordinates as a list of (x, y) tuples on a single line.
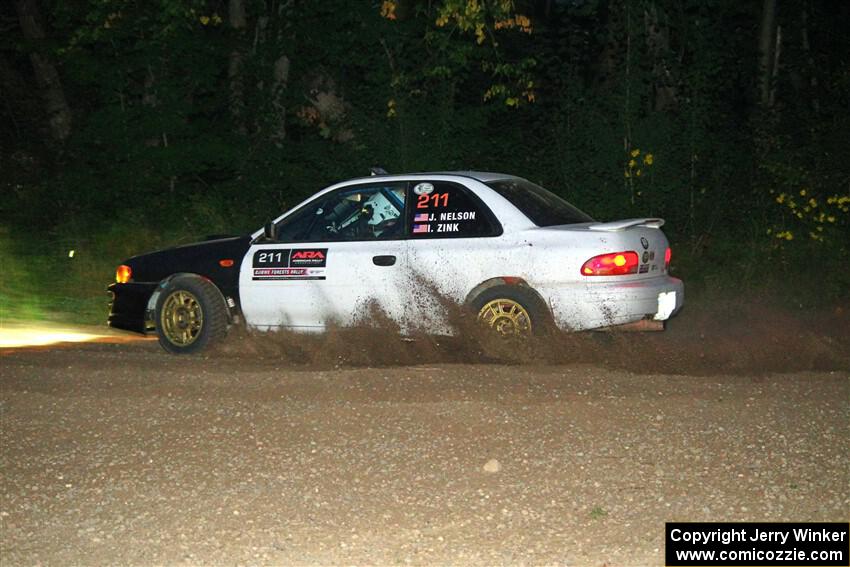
[(665, 90), (280, 82), (774, 73), (149, 100), (767, 44), (237, 21), (810, 60), (17, 101), (47, 77), (280, 79)]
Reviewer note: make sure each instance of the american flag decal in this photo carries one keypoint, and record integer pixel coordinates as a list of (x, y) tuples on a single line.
[(420, 228), (421, 217)]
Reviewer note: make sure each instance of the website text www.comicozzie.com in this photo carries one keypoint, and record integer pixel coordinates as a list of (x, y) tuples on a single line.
[(758, 555)]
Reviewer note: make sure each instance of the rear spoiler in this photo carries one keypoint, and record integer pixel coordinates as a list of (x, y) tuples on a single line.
[(627, 223)]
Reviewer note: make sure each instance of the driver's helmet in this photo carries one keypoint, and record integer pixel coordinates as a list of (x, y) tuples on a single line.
[(369, 214)]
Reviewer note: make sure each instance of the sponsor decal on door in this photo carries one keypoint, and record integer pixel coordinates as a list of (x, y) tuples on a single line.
[(290, 264)]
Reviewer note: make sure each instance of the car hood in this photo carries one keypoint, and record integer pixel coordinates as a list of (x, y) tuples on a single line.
[(202, 258)]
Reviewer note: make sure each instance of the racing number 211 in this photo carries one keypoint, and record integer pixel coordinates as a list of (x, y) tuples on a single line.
[(424, 200)]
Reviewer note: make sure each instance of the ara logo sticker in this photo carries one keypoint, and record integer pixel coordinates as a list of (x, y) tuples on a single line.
[(423, 189), (308, 255), (314, 257), (644, 242)]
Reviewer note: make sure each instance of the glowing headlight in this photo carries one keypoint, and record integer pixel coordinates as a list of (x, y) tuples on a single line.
[(123, 274)]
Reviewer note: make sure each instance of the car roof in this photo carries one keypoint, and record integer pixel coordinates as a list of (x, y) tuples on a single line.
[(483, 176)]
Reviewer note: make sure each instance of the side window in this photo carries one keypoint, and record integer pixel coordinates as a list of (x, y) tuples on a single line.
[(352, 213), (448, 210)]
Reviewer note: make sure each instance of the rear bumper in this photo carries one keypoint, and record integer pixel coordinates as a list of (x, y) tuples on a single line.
[(128, 307), (606, 304)]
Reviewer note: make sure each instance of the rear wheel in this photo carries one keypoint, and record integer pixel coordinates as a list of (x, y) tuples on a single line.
[(512, 311), (190, 314)]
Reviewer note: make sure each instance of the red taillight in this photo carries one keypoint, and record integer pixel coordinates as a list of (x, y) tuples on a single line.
[(123, 274), (226, 263), (667, 255), (614, 264)]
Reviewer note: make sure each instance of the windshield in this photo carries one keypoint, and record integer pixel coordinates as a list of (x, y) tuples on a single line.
[(542, 207)]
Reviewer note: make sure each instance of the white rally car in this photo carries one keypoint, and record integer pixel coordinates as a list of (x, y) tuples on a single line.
[(517, 256)]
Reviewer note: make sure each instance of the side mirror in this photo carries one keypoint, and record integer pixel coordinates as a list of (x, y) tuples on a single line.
[(270, 231)]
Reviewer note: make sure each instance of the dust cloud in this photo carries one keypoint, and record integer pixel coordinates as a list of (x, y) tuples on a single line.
[(731, 337)]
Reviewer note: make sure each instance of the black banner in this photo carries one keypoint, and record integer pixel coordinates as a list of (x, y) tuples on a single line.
[(694, 544)]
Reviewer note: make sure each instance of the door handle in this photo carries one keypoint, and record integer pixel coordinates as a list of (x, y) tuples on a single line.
[(383, 260)]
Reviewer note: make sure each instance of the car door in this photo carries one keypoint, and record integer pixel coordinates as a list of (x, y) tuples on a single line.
[(335, 260), (453, 245)]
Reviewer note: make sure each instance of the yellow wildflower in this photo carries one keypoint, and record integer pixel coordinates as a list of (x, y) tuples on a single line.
[(648, 159), (204, 20), (802, 192), (635, 153), (388, 10), (524, 23), (632, 163), (479, 33)]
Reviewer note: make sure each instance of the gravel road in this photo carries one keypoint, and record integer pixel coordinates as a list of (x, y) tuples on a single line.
[(119, 454)]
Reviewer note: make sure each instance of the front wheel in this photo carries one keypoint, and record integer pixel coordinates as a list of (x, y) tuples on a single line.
[(190, 314), (512, 311)]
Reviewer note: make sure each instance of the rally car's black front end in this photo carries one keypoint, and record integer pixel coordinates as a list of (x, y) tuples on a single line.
[(216, 261), (129, 304)]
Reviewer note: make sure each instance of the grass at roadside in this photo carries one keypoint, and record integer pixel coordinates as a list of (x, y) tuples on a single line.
[(61, 285), (62, 278)]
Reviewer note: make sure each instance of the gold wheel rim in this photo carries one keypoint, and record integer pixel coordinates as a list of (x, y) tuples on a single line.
[(182, 318), (506, 317)]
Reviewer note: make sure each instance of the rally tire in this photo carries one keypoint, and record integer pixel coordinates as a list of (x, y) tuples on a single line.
[(190, 315), (512, 310)]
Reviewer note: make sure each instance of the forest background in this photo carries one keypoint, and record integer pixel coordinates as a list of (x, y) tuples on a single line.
[(126, 126)]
